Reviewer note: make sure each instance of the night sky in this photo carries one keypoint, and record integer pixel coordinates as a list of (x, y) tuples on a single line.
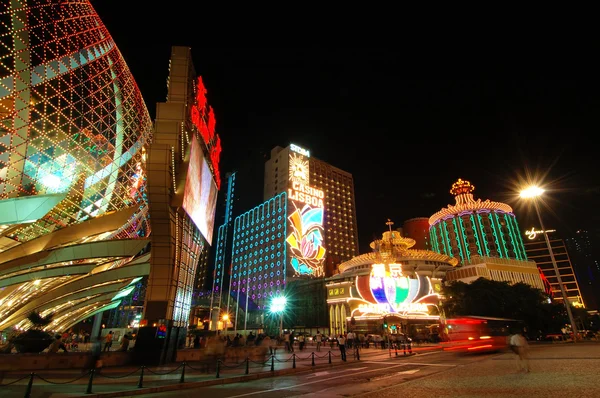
[(405, 127)]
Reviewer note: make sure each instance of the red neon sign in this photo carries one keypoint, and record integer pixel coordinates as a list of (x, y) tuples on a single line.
[(206, 129)]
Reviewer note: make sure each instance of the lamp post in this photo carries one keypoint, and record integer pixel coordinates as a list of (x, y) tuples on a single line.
[(278, 307), (534, 193)]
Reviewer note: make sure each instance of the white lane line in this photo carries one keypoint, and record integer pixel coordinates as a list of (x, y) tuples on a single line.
[(305, 384), (324, 373), (431, 364)]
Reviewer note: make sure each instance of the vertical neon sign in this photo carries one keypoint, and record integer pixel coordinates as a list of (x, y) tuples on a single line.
[(306, 235)]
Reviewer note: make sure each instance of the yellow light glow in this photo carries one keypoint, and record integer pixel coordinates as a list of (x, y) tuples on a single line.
[(225, 317), (531, 192), (37, 282)]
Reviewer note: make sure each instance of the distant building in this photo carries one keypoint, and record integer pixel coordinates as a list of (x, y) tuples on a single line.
[(537, 250), (584, 248), (417, 229), (475, 228)]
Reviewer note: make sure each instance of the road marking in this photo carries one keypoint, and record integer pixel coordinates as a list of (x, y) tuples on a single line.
[(304, 384), (324, 373), (408, 372), (430, 364)]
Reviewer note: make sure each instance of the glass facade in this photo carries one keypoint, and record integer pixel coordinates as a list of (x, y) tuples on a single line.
[(74, 131), (258, 270)]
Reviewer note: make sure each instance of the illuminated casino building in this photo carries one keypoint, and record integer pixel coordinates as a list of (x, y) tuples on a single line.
[(314, 184), (475, 228), (393, 289), (183, 183), (260, 262), (74, 135)]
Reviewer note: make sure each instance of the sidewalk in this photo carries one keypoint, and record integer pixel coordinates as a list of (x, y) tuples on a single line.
[(125, 381)]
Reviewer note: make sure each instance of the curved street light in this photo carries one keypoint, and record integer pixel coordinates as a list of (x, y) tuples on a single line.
[(534, 192)]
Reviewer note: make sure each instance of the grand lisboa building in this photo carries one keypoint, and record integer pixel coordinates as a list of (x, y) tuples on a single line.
[(74, 131)]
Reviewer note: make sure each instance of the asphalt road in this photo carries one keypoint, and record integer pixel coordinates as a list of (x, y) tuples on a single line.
[(557, 370), (374, 373)]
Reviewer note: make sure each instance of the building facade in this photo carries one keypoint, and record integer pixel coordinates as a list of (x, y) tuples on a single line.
[(393, 285), (418, 230), (537, 250), (259, 261), (294, 170), (584, 249), (74, 136), (498, 269), (475, 228), (184, 179)]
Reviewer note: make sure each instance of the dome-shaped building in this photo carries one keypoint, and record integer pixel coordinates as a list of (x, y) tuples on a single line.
[(475, 228), (74, 131), (392, 289)]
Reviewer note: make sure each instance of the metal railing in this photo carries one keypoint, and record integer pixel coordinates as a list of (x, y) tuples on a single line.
[(184, 368)]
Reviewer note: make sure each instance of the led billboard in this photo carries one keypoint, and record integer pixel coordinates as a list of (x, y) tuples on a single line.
[(305, 235), (200, 194)]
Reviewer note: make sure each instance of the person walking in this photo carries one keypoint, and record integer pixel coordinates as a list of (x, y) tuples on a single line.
[(108, 341), (342, 345), (319, 339), (520, 346)]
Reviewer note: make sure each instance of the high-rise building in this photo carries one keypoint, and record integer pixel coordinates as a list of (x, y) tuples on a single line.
[(295, 171), (475, 228), (585, 256), (259, 262), (221, 275), (418, 230), (74, 135), (183, 184), (537, 250)]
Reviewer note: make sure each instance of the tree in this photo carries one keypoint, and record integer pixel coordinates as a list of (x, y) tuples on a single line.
[(484, 297)]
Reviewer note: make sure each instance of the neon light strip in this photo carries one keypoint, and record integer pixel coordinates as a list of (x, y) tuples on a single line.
[(497, 220), (464, 239), (474, 228), (484, 238), (458, 241)]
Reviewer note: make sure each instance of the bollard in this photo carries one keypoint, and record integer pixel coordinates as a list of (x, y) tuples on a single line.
[(396, 348), (293, 361), (182, 378), (218, 368), (141, 381), (409, 348), (90, 381), (404, 348), (329, 352), (29, 385), (247, 365), (313, 359), (357, 353), (272, 363)]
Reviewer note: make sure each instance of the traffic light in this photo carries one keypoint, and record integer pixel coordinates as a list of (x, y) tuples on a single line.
[(385, 324)]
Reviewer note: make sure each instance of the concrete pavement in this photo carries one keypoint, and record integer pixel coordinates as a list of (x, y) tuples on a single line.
[(556, 371)]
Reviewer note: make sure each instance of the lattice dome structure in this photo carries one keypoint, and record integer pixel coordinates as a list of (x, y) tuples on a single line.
[(74, 131)]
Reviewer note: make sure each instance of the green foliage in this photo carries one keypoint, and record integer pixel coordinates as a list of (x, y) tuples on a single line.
[(485, 297)]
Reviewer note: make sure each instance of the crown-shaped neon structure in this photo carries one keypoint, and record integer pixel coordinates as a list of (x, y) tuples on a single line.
[(461, 187)]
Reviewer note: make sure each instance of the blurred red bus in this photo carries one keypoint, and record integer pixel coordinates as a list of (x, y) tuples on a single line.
[(478, 333)]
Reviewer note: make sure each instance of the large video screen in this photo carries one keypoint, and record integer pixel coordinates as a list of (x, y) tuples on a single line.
[(200, 195)]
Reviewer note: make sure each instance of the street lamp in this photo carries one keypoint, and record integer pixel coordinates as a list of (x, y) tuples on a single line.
[(533, 193), (278, 307)]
